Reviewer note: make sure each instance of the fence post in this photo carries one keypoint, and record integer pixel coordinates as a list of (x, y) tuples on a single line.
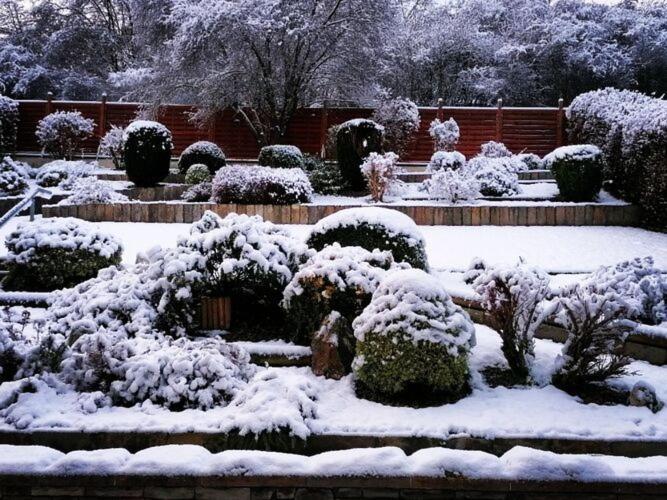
[(103, 115), (441, 114), (324, 125), (49, 103), (499, 121), (211, 127), (560, 123)]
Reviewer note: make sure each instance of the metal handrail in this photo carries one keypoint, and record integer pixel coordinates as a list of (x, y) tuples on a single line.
[(27, 199)]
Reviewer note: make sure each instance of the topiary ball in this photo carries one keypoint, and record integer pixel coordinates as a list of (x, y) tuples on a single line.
[(281, 156), (371, 228), (578, 171), (50, 254), (202, 152), (412, 343), (147, 152), (355, 140), (197, 174)]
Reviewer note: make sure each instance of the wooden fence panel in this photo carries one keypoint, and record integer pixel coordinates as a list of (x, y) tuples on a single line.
[(534, 130)]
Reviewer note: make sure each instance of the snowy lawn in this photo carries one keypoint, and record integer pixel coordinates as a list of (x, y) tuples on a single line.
[(555, 249), (295, 398)]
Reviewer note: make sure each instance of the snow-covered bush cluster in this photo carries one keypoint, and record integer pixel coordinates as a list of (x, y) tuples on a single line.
[(9, 119), (577, 170), (261, 185), (514, 299), (112, 145), (87, 190), (412, 342), (13, 177), (147, 152), (198, 192), (325, 179), (495, 176), (281, 156), (631, 130), (400, 119), (493, 149), (380, 172), (63, 173), (61, 133), (355, 140), (443, 160), (445, 134), (371, 228), (338, 279), (452, 186), (531, 161), (197, 173), (49, 254), (202, 152)]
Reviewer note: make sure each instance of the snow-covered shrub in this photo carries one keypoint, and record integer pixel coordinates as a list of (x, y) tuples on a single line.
[(476, 268), (197, 174), (9, 119), (10, 357), (112, 145), (495, 176), (147, 152), (445, 134), (63, 173), (530, 161), (412, 342), (355, 140), (198, 193), (261, 186), (202, 152), (249, 260), (92, 190), (493, 149), (593, 314), (452, 186), (61, 133), (183, 373), (380, 171), (371, 228), (13, 181), (335, 279), (281, 156), (325, 179), (443, 160), (49, 254), (514, 299), (400, 119), (641, 284), (577, 170)]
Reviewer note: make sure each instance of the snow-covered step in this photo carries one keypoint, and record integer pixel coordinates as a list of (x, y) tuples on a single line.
[(530, 175)]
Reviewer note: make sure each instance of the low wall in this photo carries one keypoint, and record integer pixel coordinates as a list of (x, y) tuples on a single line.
[(475, 215), (315, 488)]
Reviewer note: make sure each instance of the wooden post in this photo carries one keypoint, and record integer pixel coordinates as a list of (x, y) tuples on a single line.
[(103, 115), (324, 125), (441, 114), (499, 121), (560, 124), (49, 103)]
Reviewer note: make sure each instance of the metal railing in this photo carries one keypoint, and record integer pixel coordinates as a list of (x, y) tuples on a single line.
[(28, 199)]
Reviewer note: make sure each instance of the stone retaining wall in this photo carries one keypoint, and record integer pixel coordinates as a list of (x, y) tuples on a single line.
[(474, 215), (316, 488)]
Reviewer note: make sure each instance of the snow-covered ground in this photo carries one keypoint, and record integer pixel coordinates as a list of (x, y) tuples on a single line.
[(555, 249), (519, 463), (297, 399)]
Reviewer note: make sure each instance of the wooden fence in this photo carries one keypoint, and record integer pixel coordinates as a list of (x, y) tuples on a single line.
[(534, 130)]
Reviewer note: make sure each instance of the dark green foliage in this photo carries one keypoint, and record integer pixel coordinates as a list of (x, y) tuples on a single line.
[(325, 179), (355, 140), (9, 119), (204, 152), (578, 179), (281, 156), (55, 268), (147, 153), (370, 237)]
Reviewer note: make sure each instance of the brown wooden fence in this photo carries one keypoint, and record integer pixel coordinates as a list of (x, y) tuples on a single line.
[(534, 130)]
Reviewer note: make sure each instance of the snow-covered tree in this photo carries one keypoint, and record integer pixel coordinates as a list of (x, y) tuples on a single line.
[(380, 171)]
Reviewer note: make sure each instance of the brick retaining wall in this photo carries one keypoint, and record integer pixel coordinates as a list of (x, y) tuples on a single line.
[(478, 215)]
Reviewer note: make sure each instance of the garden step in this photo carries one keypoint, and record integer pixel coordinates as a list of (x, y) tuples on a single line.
[(66, 440), (530, 175)]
